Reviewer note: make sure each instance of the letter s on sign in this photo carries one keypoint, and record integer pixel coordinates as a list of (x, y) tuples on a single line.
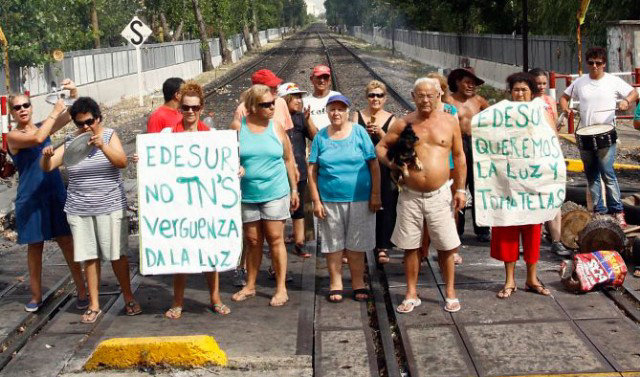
[(140, 39)]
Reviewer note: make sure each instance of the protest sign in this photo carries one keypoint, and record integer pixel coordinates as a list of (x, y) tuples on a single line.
[(189, 202), (518, 166)]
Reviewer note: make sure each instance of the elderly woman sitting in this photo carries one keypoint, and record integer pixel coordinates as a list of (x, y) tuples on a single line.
[(344, 180)]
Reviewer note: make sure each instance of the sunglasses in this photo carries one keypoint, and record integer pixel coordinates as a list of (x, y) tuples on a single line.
[(82, 123), (323, 77), (376, 95), (195, 108), (596, 63), (25, 105), (266, 105)]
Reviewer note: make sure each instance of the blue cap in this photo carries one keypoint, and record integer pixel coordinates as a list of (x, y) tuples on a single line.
[(339, 98)]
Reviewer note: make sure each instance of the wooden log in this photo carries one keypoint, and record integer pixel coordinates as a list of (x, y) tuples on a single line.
[(574, 219), (602, 233)]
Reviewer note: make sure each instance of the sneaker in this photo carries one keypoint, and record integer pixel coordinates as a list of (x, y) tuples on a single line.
[(558, 248), (239, 277), (32, 306), (619, 217)]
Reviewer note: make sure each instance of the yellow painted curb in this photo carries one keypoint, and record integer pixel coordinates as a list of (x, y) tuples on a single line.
[(179, 351), (595, 374), (577, 166), (569, 137)]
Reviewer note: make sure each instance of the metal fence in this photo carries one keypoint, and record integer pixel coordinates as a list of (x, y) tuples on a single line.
[(90, 66), (551, 53)]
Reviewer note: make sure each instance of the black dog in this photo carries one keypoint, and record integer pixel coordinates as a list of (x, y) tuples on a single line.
[(403, 154)]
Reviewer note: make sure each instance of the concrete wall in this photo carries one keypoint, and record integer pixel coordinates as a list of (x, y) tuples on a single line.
[(108, 75), (109, 92), (493, 73)]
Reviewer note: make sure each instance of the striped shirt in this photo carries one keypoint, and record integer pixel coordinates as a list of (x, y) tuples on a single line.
[(95, 185)]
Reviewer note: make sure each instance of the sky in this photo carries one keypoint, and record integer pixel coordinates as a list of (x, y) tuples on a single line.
[(318, 4)]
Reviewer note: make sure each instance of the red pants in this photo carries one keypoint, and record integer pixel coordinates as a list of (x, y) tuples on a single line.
[(506, 239)]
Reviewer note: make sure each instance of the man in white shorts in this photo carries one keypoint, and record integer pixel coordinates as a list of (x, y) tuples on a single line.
[(426, 195)]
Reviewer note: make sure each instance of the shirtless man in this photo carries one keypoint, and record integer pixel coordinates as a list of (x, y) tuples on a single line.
[(463, 82), (426, 195)]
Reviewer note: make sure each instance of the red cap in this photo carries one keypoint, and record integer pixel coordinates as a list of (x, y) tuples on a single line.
[(320, 70), (265, 77)]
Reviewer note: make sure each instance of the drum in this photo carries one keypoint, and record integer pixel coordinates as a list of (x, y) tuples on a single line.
[(596, 136)]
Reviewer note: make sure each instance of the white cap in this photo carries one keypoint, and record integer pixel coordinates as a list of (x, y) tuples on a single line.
[(289, 88)]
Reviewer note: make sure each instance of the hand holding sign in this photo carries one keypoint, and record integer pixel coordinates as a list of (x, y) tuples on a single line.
[(519, 168)]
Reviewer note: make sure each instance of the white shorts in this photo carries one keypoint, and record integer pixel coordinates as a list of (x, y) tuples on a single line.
[(435, 207), (103, 236)]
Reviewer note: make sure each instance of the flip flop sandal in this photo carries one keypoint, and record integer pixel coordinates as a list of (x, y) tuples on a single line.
[(457, 259), (539, 289), (174, 313), (383, 258), (301, 251), (335, 293), (452, 305), (239, 296), (132, 308), (221, 309), (506, 292), (636, 273), (409, 304), (276, 305), (90, 316), (361, 291)]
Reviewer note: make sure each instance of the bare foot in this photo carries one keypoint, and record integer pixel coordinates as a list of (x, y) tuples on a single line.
[(243, 294), (279, 299)]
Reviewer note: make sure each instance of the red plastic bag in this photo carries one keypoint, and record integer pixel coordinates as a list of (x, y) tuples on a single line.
[(600, 268)]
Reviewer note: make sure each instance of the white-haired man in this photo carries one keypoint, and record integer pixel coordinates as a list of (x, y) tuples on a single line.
[(426, 195)]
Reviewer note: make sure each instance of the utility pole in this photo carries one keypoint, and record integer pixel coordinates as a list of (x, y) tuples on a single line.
[(525, 36), (5, 48)]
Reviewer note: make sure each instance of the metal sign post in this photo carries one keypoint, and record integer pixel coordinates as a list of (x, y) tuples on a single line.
[(136, 32)]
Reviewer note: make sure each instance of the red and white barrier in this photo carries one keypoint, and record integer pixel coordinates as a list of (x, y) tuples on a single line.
[(4, 120)]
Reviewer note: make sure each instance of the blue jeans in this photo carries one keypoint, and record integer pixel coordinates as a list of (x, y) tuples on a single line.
[(600, 163)]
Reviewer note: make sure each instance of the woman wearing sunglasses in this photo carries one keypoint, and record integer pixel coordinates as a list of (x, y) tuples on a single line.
[(191, 105), (269, 189), (40, 196), (96, 204), (376, 120)]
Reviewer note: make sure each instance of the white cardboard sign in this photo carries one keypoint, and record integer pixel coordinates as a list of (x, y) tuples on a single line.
[(518, 167), (189, 202)]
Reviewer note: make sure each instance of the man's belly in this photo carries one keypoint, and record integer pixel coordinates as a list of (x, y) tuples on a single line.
[(433, 175)]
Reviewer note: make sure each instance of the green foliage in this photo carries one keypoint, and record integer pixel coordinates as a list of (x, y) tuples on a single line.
[(35, 27), (546, 17)]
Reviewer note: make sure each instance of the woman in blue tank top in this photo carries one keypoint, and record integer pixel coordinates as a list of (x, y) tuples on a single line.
[(40, 196), (270, 176)]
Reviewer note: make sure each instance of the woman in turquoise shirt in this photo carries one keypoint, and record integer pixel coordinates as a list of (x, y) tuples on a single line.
[(268, 189), (344, 181)]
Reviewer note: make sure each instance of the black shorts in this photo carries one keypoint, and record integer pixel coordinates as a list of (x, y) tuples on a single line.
[(299, 213)]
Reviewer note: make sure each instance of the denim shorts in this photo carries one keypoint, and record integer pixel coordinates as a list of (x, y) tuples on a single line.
[(277, 209)]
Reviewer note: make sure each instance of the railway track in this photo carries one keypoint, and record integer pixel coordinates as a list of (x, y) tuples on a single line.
[(392, 347)]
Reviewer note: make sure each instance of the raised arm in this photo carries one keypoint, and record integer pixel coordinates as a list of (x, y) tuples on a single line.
[(51, 159), (113, 150), (18, 139)]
